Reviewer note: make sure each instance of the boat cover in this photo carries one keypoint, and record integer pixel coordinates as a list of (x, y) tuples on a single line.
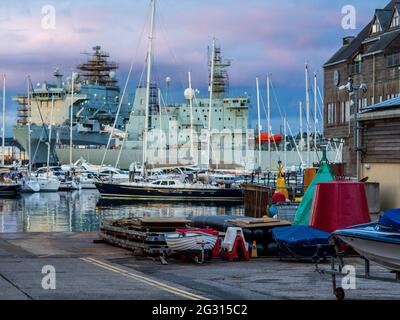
[(391, 219), (303, 213), (303, 241)]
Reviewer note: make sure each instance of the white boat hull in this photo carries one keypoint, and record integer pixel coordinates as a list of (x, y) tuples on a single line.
[(30, 186), (190, 242), (383, 253), (49, 184)]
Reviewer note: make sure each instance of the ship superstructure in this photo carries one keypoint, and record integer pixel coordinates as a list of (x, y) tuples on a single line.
[(170, 125), (96, 97)]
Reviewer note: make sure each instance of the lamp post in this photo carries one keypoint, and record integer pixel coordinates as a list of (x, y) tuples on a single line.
[(355, 91)]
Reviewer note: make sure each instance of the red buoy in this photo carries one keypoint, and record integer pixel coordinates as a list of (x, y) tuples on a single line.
[(338, 205)]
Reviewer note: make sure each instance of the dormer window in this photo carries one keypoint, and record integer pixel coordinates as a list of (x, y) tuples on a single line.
[(396, 19), (376, 27)]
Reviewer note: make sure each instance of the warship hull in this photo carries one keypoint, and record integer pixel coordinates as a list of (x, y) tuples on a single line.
[(60, 136)]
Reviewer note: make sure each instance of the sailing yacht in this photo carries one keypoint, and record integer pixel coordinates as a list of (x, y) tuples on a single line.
[(47, 182)]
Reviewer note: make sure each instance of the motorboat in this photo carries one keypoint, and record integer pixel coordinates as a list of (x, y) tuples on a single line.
[(69, 185), (378, 242), (9, 188), (169, 190), (112, 174), (87, 181)]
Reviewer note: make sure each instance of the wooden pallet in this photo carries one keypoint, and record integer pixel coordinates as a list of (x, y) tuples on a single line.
[(260, 223)]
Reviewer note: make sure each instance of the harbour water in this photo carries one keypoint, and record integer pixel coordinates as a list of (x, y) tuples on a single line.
[(80, 211)]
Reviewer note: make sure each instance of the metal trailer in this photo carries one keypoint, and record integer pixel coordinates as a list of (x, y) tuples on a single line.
[(336, 268)]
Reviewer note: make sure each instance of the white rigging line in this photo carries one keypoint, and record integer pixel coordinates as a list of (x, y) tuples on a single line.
[(270, 129), (281, 114), (123, 96), (174, 57)]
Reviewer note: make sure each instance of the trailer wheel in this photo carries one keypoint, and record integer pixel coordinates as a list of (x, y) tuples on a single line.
[(339, 293)]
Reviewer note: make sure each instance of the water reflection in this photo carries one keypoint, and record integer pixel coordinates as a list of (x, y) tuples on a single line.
[(78, 211)]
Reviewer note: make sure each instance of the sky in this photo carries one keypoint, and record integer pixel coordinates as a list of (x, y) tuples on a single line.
[(260, 37)]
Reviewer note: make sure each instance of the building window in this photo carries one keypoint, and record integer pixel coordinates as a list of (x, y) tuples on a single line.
[(376, 27), (356, 67), (342, 112), (331, 113), (347, 114), (393, 60), (396, 19)]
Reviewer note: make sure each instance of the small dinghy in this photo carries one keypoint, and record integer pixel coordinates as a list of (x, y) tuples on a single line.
[(184, 242)]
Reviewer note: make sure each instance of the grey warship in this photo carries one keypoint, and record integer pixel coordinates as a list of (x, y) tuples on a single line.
[(95, 98)]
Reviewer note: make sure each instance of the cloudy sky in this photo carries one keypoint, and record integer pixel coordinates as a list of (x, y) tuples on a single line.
[(260, 36)]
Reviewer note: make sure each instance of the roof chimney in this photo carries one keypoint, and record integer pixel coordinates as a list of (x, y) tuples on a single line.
[(348, 40)]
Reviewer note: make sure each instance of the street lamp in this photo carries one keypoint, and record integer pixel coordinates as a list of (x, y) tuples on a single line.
[(355, 90)]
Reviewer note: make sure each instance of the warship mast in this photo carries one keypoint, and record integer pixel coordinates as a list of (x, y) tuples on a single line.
[(98, 70), (4, 123), (209, 161)]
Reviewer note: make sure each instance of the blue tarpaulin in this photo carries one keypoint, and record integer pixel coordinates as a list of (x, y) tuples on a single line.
[(303, 241)]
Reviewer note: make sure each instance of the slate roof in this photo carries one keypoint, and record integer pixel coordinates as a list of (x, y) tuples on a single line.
[(385, 40), (348, 51)]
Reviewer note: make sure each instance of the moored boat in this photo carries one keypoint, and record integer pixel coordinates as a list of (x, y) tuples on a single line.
[(168, 190), (378, 241), (11, 190)]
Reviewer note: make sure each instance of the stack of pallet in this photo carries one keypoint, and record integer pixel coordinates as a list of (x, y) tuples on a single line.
[(144, 236)]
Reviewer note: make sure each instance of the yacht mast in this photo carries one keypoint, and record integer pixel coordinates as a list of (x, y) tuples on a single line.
[(269, 123), (71, 117), (308, 117), (191, 115), (160, 137), (285, 142), (49, 141), (301, 126), (315, 118), (259, 122), (4, 122), (148, 80), (29, 130), (211, 101)]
